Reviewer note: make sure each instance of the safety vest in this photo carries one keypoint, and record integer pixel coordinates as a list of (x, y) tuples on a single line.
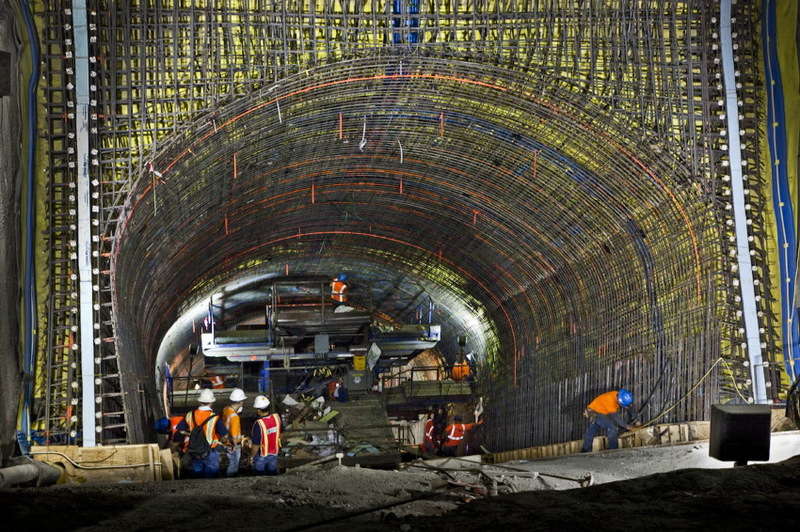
[(429, 430), (338, 289), (270, 434), (174, 421), (460, 371), (232, 422), (217, 382), (455, 433), (197, 417)]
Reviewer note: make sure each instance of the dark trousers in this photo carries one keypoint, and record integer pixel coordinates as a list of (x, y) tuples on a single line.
[(601, 422)]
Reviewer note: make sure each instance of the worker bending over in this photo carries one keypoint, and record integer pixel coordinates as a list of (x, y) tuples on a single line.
[(266, 437), (605, 412), (230, 417), (204, 456)]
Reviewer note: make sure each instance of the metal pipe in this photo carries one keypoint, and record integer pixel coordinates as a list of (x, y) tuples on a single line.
[(43, 474)]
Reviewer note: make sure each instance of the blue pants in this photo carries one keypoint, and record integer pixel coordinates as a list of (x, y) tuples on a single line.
[(234, 456), (207, 467), (601, 422), (266, 465)]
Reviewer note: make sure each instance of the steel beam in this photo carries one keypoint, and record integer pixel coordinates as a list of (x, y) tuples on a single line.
[(749, 310), (81, 37)]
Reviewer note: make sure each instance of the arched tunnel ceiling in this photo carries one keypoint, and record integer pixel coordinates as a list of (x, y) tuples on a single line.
[(501, 188)]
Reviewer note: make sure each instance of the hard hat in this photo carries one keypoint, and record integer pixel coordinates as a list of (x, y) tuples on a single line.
[(237, 395), (341, 277), (206, 396), (261, 402), (624, 397), (161, 425)]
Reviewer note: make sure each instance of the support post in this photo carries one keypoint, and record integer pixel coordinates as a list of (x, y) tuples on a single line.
[(749, 309), (80, 33)]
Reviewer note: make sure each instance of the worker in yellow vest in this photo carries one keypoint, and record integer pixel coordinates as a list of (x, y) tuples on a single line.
[(205, 457)]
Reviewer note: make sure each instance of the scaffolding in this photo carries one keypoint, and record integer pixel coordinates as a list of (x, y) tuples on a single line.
[(556, 167)]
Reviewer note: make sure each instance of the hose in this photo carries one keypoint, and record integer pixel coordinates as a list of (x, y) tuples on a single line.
[(79, 466), (29, 288), (693, 388)]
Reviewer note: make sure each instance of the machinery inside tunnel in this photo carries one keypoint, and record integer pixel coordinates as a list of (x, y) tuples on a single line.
[(582, 195)]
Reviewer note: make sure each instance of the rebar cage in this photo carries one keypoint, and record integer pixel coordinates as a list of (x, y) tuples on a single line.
[(550, 170)]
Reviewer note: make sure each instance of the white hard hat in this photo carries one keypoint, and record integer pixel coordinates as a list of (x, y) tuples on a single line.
[(261, 402), (237, 395), (206, 396)]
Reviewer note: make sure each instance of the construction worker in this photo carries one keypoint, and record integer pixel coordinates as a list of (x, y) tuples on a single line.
[(429, 444), (217, 382), (460, 371), (208, 465), (177, 441), (339, 288), (454, 436), (266, 437), (230, 417), (605, 412)]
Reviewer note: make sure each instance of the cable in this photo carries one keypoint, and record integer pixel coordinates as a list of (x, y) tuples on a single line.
[(693, 388)]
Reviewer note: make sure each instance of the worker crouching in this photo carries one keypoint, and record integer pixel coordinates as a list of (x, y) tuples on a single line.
[(266, 437), (605, 412), (204, 429)]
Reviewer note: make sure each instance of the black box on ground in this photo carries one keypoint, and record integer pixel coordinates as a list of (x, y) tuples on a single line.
[(740, 432), (5, 73)]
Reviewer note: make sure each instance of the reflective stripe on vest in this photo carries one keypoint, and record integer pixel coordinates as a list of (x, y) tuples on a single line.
[(337, 291), (429, 430), (270, 435), (210, 428), (457, 429)]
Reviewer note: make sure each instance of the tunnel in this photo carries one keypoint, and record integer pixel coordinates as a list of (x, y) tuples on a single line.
[(578, 250), (585, 196)]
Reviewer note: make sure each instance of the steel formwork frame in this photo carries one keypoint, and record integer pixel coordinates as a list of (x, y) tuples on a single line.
[(591, 282)]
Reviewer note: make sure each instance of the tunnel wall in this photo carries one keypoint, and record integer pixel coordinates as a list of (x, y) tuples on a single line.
[(575, 293)]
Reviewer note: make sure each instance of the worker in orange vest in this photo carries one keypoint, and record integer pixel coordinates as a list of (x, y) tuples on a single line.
[(339, 288), (429, 444), (230, 417), (460, 371), (177, 442), (214, 429), (266, 438), (217, 382), (454, 436), (604, 412)]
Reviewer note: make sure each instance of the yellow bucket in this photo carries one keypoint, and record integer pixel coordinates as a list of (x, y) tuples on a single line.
[(359, 362)]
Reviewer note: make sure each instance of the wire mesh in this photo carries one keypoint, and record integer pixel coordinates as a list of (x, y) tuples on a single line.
[(553, 166)]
